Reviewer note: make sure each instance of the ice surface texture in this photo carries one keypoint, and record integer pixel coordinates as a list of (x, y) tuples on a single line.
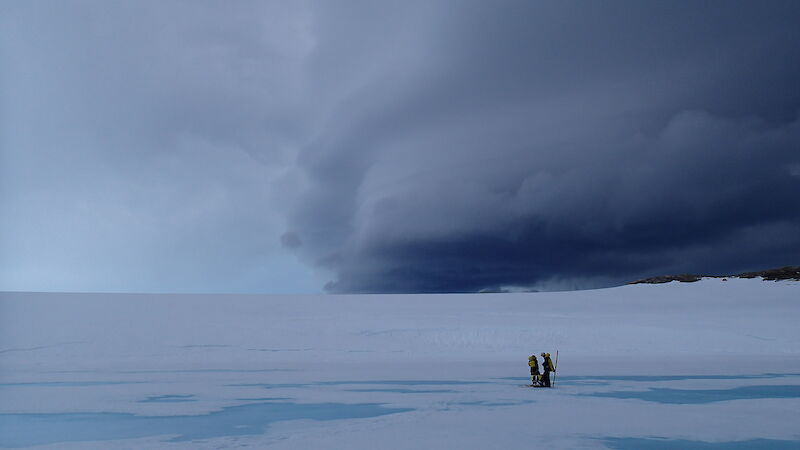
[(710, 364)]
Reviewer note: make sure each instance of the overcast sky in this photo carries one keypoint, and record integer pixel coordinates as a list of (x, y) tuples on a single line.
[(369, 146)]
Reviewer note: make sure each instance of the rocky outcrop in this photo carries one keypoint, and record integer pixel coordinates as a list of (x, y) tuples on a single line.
[(783, 273), (686, 278)]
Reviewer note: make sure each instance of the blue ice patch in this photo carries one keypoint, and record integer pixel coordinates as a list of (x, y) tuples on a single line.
[(169, 399), (67, 383), (485, 403), (406, 391), (404, 382), (270, 385), (670, 444), (23, 430), (655, 378), (697, 396), (606, 379)]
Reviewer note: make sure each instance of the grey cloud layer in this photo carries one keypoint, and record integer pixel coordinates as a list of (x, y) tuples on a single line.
[(399, 146), (143, 145)]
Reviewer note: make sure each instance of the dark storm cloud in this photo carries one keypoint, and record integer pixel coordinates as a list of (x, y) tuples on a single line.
[(394, 146), (524, 143)]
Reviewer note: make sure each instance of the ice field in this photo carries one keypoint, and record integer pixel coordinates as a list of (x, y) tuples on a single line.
[(707, 365)]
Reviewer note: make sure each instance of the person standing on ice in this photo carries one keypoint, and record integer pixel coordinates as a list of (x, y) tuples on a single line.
[(547, 367), (534, 365)]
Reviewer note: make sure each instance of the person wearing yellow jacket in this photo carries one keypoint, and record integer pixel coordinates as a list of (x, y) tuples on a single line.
[(547, 367), (533, 363)]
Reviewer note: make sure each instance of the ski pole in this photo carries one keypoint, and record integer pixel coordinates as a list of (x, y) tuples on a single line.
[(555, 369)]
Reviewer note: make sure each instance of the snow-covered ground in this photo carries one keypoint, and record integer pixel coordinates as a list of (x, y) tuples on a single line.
[(713, 364)]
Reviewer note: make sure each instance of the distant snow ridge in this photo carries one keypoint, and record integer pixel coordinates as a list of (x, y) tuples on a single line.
[(783, 273)]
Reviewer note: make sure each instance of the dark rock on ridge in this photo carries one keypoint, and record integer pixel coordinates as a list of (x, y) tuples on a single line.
[(783, 273)]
